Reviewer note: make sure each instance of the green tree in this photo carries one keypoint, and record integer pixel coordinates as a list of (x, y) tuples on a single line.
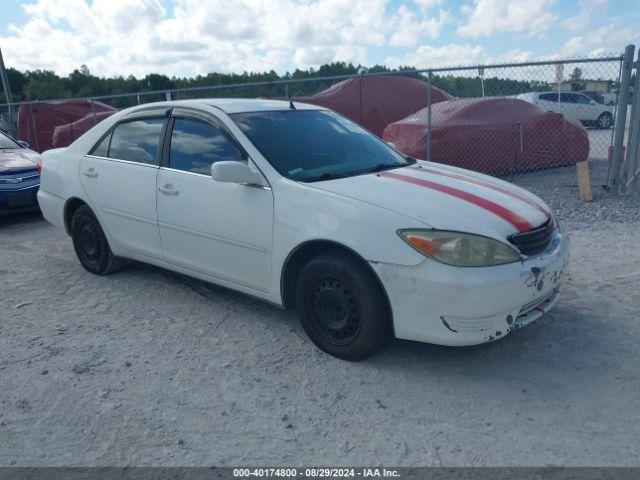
[(44, 85), (576, 74)]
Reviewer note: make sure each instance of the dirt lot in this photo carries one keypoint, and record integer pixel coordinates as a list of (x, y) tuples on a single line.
[(147, 367)]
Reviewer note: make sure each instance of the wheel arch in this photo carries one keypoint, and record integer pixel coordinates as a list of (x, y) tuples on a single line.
[(70, 206), (307, 250)]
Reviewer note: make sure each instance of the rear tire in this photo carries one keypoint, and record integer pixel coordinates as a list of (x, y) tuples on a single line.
[(91, 245), (342, 307), (604, 121)]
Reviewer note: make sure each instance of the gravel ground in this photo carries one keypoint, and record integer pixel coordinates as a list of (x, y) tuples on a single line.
[(146, 367)]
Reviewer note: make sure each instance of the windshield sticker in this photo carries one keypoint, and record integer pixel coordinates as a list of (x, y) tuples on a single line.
[(295, 171)]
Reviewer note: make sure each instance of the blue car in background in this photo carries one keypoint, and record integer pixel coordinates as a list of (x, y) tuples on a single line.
[(19, 176)]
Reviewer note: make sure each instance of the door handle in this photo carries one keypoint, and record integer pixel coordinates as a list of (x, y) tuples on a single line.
[(168, 190), (91, 173)]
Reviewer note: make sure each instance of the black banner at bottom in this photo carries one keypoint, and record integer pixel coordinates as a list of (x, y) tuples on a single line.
[(428, 473)]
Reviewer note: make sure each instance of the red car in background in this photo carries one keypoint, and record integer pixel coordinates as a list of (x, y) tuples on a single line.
[(496, 136)]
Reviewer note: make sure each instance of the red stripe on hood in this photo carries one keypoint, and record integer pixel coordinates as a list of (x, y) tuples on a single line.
[(483, 183), (513, 218)]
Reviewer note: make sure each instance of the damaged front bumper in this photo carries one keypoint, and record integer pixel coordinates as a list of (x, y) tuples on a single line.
[(437, 303)]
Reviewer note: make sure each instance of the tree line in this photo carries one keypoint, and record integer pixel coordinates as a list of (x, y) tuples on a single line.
[(81, 83)]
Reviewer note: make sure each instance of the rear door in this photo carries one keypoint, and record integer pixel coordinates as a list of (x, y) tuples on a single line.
[(119, 179), (548, 102), (571, 108), (220, 229), (589, 109)]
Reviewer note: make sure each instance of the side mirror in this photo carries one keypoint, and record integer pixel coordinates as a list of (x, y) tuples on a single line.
[(23, 143), (236, 172)]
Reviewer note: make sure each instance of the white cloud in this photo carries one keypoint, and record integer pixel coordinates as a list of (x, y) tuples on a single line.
[(141, 36), (312, 56), (24, 49), (410, 29), (427, 56), (122, 37), (587, 9), (514, 56), (426, 4), (487, 17), (607, 39)]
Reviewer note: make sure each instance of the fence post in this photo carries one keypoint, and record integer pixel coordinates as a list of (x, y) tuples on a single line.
[(33, 127), (168, 96), (629, 170), (93, 111), (429, 116), (621, 118)]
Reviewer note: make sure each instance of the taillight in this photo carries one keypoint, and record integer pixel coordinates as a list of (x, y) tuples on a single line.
[(40, 166)]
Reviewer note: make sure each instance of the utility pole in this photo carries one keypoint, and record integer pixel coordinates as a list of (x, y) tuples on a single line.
[(7, 94)]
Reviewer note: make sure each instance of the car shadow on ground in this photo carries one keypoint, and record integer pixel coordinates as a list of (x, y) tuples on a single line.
[(11, 219), (563, 345)]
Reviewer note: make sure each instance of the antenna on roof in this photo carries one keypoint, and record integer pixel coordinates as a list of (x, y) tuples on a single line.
[(291, 105)]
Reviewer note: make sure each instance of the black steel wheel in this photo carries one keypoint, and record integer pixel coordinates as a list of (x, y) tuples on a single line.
[(342, 306), (336, 311), (90, 243)]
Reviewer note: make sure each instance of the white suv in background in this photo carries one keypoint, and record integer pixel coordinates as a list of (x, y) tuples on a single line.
[(574, 106)]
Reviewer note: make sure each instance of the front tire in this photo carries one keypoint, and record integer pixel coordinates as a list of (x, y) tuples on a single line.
[(605, 120), (342, 307), (91, 245)]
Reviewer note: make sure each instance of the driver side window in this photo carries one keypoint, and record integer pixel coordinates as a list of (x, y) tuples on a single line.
[(196, 145)]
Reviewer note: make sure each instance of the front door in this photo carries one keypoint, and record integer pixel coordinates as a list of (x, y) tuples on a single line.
[(220, 229)]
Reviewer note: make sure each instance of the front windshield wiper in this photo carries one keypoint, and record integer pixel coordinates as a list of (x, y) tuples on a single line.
[(325, 176), (376, 168), (380, 167), (383, 166)]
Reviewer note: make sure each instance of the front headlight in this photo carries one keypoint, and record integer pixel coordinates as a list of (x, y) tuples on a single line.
[(460, 249)]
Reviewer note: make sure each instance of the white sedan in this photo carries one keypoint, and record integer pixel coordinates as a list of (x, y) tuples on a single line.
[(302, 208), (575, 106)]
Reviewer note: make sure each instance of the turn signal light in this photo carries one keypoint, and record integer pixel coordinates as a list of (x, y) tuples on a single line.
[(428, 247)]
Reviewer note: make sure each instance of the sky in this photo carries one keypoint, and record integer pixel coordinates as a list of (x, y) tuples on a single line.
[(191, 37)]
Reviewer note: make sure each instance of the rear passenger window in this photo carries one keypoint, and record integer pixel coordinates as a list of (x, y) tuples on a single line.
[(196, 145), (549, 97), (137, 140)]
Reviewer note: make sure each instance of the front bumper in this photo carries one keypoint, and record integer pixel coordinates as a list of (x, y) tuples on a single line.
[(19, 199), (437, 303)]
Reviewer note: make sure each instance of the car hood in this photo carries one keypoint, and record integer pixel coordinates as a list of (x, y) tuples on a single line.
[(18, 160), (446, 198)]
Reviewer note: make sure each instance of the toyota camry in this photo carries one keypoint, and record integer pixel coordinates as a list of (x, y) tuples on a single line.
[(300, 207)]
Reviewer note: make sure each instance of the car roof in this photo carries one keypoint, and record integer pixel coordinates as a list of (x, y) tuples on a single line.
[(555, 92), (234, 105)]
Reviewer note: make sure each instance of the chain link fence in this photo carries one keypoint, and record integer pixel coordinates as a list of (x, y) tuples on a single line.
[(503, 119)]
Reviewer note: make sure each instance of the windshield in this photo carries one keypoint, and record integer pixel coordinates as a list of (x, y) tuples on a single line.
[(314, 145), (6, 142)]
